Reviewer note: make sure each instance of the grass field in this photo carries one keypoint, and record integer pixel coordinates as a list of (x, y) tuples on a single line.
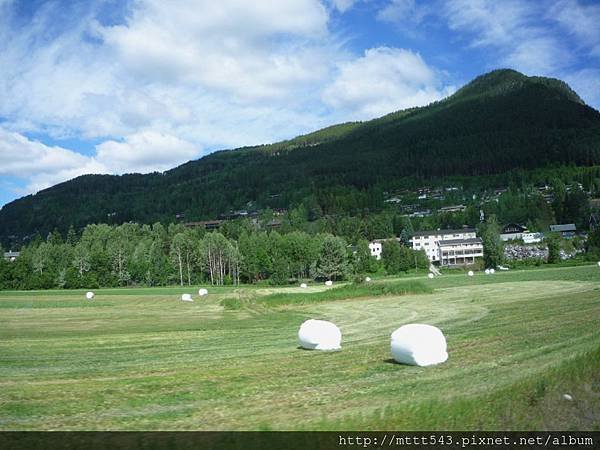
[(140, 359)]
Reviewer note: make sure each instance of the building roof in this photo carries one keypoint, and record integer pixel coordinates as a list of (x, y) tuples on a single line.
[(11, 254), (444, 232), (512, 228), (563, 227), (453, 208), (460, 241)]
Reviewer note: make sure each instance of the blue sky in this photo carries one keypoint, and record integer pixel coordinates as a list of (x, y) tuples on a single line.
[(110, 86)]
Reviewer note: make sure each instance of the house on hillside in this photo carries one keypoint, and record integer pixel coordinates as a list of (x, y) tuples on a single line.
[(513, 231), (273, 224), (206, 224), (449, 247), (453, 208), (421, 213), (11, 256), (375, 247), (566, 230)]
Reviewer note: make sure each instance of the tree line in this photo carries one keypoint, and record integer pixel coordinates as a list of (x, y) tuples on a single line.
[(154, 255)]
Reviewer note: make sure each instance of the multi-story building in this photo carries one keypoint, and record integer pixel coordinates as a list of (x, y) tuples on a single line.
[(449, 247)]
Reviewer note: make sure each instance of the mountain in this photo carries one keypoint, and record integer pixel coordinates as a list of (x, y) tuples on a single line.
[(500, 121)]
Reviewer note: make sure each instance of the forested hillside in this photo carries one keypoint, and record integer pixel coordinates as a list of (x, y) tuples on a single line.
[(499, 122)]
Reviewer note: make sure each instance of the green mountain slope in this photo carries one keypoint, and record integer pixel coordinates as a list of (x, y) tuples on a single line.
[(500, 121)]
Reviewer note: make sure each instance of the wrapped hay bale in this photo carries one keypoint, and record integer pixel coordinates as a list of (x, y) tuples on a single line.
[(430, 276), (89, 295), (419, 345), (470, 273), (487, 271), (303, 285), (202, 292), (319, 335), (186, 298), (329, 283), (368, 279), (492, 271)]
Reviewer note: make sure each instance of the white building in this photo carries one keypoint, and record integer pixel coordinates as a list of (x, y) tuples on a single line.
[(376, 247), (449, 247), (11, 256), (513, 231), (532, 238)]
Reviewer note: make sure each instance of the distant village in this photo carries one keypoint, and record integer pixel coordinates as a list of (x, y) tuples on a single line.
[(443, 247)]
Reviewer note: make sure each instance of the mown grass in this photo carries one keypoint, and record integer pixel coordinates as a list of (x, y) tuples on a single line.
[(535, 403), (348, 291), (152, 362)]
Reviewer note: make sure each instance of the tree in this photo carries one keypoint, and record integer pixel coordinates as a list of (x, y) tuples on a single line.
[(81, 259), (493, 249), (391, 255), (593, 242), (119, 249), (559, 193), (576, 208), (41, 257), (553, 243), (332, 262), (180, 249), (421, 259), (71, 236), (363, 262), (300, 251), (220, 258)]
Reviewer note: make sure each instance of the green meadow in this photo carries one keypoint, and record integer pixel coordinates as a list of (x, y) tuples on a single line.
[(141, 359)]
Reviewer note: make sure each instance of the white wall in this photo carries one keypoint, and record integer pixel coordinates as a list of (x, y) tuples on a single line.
[(375, 248)]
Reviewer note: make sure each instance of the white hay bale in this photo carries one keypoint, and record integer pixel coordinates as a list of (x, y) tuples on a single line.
[(303, 285), (487, 271), (598, 263), (430, 276), (329, 283), (186, 298), (568, 397), (368, 279), (202, 292), (319, 335), (419, 345), (89, 295), (470, 273), (492, 271)]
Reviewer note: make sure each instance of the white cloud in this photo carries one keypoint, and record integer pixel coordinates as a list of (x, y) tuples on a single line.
[(492, 23), (39, 164), (513, 29), (405, 13), (518, 35), (384, 80), (250, 50), (586, 83), (581, 21), (145, 152), (164, 67), (343, 5)]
